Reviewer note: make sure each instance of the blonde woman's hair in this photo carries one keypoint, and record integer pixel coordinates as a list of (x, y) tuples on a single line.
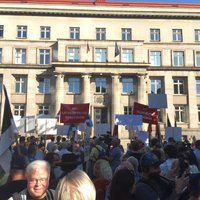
[(105, 170), (76, 185)]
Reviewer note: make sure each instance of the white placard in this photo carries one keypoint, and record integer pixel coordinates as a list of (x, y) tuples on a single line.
[(157, 101), (46, 126), (175, 132)]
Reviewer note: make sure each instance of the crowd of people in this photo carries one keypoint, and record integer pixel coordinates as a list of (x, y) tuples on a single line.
[(58, 169)]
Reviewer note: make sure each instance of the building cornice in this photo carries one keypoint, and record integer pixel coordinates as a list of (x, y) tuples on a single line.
[(105, 9)]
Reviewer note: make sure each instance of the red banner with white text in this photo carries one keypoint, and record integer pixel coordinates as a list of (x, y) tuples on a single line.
[(149, 115), (74, 113)]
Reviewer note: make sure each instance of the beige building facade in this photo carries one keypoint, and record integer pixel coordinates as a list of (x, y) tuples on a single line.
[(64, 52)]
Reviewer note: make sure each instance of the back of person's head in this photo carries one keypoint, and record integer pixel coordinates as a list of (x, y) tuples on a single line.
[(135, 146), (22, 139), (154, 142), (122, 185), (134, 162), (197, 144), (76, 185), (36, 166), (102, 169), (171, 151)]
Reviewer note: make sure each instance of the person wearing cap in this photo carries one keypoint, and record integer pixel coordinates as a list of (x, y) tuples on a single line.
[(154, 186), (17, 180), (37, 175)]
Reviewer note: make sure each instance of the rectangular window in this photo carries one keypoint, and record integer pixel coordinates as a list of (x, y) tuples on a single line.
[(180, 113), (73, 54), (126, 34), (20, 84), (179, 87), (100, 55), (127, 85), (177, 35), (100, 33), (197, 59), (44, 85), (0, 55), (156, 86), (100, 85), (155, 35), (1, 31), (44, 56), (43, 109), (155, 58), (20, 56), (74, 33), (178, 58), (101, 115), (21, 31), (74, 85), (127, 55), (197, 35), (198, 86), (45, 32), (128, 110), (19, 110)]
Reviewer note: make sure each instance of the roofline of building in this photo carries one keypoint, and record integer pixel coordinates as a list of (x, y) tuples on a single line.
[(105, 3)]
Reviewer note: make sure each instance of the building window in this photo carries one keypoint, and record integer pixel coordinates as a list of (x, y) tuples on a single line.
[(101, 115), (21, 31), (74, 33), (126, 34), (127, 85), (197, 59), (180, 113), (178, 58), (74, 85), (20, 84), (100, 33), (20, 56), (197, 35), (100, 55), (45, 32), (19, 110), (44, 56), (198, 86), (155, 35), (43, 109), (179, 87), (1, 31), (73, 54), (177, 35), (100, 85), (156, 86), (128, 110), (0, 55), (155, 58), (44, 86), (127, 55)]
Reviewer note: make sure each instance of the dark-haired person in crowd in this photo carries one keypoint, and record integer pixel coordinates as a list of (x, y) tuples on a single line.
[(122, 185), (153, 186), (197, 152), (17, 180)]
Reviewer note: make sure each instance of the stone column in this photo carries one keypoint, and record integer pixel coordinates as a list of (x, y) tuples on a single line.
[(116, 94), (59, 92), (30, 96), (86, 88), (142, 89)]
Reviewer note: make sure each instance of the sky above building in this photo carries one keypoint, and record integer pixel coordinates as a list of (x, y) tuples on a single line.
[(160, 1)]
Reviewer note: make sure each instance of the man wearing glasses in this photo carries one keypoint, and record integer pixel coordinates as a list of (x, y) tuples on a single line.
[(37, 174)]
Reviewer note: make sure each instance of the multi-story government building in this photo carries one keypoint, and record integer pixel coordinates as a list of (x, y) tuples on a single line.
[(63, 51)]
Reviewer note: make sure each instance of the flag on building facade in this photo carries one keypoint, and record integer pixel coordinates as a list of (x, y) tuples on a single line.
[(168, 122), (88, 48), (116, 49), (8, 135)]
